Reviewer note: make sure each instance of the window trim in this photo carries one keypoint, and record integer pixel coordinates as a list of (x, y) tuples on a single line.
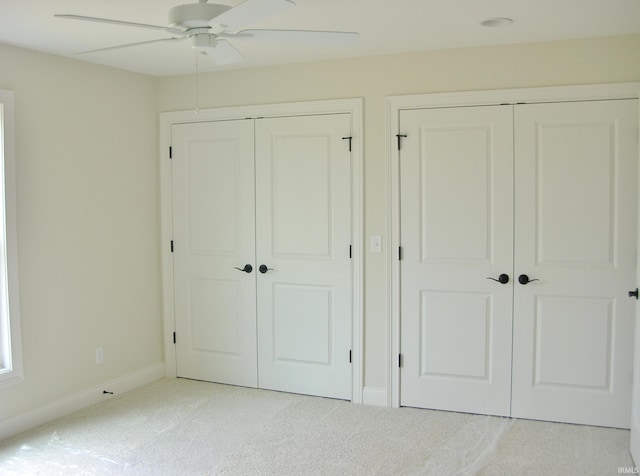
[(12, 339)]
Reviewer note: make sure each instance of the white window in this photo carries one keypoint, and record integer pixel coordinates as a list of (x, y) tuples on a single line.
[(10, 341)]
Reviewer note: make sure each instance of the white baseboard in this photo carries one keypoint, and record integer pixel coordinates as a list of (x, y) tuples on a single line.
[(375, 396), (26, 421)]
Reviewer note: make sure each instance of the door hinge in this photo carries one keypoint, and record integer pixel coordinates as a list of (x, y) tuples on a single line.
[(400, 253), (170, 152), (349, 138), (172, 246), (350, 252), (400, 360), (174, 337), (349, 356), (400, 136)]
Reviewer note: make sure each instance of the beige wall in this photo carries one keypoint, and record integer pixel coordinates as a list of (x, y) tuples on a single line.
[(530, 65), (87, 207), (87, 184)]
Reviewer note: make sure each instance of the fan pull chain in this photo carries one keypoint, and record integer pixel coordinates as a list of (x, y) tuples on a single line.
[(197, 105)]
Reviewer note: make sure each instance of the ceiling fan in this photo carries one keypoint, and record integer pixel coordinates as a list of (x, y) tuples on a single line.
[(210, 26)]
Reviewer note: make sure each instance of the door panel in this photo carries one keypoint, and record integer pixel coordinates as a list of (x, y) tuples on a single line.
[(301, 187), (576, 177), (454, 172), (456, 231), (214, 332), (560, 320), (303, 312), (575, 189), (304, 233), (442, 316), (214, 232)]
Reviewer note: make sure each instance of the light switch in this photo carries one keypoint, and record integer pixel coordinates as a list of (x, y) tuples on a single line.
[(376, 244)]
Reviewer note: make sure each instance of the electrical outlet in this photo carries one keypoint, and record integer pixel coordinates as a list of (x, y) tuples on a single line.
[(99, 356)]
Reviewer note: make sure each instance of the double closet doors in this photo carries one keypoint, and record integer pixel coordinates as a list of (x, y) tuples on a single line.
[(518, 235), (261, 253)]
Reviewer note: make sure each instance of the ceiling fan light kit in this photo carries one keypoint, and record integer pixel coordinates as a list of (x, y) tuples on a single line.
[(211, 25)]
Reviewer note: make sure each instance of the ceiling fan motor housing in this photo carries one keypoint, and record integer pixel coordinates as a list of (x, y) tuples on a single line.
[(195, 15)]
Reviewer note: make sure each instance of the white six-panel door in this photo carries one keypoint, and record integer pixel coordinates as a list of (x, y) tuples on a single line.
[(575, 239), (303, 210), (456, 232), (274, 192), (214, 233)]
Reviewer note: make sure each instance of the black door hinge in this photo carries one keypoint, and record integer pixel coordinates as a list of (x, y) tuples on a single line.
[(349, 138), (350, 252), (400, 360), (400, 136), (349, 356), (174, 337), (172, 246), (170, 152), (400, 253)]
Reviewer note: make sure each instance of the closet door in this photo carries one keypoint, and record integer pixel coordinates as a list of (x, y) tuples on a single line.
[(576, 178), (303, 209), (214, 235), (457, 240)]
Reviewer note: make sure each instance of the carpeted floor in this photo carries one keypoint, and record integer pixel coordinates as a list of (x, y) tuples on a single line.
[(183, 427)]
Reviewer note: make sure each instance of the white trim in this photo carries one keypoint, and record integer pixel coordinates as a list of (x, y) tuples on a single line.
[(393, 266), (514, 96), (395, 104), (166, 227), (26, 421), (375, 396), (15, 374), (354, 107)]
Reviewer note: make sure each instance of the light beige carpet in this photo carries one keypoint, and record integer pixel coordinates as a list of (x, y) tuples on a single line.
[(183, 427)]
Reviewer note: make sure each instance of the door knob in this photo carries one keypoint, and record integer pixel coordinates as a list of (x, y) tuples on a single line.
[(263, 268), (524, 279), (634, 293), (502, 279), (247, 268)]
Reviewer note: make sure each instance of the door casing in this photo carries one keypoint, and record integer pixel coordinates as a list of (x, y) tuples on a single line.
[(395, 104), (354, 107)]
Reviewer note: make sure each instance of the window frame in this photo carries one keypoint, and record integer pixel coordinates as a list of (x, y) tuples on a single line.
[(11, 363)]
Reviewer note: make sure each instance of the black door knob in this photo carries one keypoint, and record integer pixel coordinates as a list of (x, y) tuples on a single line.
[(247, 268), (634, 293), (502, 279), (524, 279), (263, 268)]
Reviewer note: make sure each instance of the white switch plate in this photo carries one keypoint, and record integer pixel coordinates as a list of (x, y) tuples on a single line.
[(99, 356), (376, 244)]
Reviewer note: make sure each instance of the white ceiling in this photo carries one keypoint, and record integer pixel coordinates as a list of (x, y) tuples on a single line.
[(385, 27)]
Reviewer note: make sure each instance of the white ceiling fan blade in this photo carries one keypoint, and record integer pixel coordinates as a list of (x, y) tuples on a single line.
[(128, 45), (223, 52), (248, 12), (175, 31), (301, 36)]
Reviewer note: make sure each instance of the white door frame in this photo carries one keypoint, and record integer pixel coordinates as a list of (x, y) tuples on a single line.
[(395, 104), (354, 107)]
